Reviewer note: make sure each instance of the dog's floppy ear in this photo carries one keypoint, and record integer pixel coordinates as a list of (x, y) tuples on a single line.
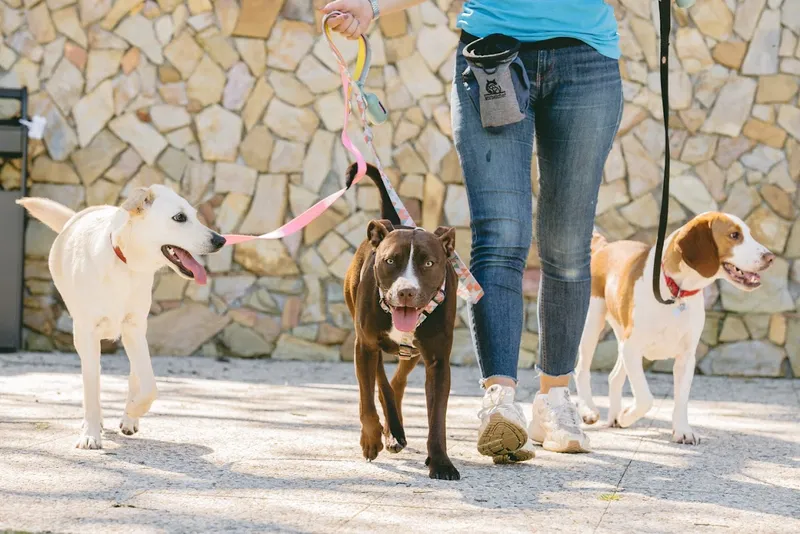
[(139, 200), (447, 236), (699, 250), (377, 230)]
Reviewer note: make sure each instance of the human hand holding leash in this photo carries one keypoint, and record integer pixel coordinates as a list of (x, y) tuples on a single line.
[(357, 14), (354, 19)]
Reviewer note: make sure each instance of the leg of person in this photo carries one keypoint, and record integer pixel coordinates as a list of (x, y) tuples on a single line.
[(577, 115), (496, 163)]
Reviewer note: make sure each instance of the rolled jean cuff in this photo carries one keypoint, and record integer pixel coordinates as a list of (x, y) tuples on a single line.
[(540, 372), (482, 381)]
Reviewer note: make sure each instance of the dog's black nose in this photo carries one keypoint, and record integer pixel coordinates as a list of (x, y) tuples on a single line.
[(407, 296), (217, 241)]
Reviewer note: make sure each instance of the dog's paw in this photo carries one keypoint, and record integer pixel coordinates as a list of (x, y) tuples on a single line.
[(628, 417), (685, 436), (394, 445), (442, 469), (129, 425), (141, 403), (90, 439), (395, 437), (371, 443), (588, 415)]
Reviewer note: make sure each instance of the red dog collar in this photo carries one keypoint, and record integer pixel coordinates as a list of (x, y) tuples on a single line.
[(117, 251), (676, 291)]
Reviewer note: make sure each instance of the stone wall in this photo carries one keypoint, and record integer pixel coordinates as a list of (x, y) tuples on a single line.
[(237, 105)]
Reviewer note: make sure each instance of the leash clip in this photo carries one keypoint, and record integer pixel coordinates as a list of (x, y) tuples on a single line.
[(376, 112)]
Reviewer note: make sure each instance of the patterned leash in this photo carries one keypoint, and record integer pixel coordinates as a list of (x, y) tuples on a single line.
[(369, 108)]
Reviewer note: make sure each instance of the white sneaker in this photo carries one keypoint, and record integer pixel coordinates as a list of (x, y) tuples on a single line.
[(555, 423), (502, 433)]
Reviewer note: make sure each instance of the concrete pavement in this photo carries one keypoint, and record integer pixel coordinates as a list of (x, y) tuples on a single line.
[(254, 446)]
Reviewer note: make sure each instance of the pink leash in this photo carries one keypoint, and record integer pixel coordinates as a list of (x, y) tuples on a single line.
[(305, 218), (468, 287)]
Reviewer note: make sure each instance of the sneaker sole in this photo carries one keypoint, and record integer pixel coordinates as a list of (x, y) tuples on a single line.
[(501, 437), (515, 457), (572, 447)]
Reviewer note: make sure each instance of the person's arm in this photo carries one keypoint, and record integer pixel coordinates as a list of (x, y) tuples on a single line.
[(359, 13)]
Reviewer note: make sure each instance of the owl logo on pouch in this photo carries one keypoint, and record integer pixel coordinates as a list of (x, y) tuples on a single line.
[(493, 90)]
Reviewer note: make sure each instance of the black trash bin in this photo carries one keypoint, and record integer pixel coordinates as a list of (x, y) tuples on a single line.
[(13, 145)]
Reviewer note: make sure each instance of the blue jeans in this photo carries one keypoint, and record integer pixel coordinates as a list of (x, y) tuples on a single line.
[(574, 113)]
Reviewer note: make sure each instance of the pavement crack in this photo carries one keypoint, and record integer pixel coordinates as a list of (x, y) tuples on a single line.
[(373, 501), (613, 494)]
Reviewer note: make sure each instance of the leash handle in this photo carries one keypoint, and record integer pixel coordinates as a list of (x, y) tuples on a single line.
[(665, 17), (362, 68)]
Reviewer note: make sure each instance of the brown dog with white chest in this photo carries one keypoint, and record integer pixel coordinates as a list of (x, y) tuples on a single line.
[(401, 291)]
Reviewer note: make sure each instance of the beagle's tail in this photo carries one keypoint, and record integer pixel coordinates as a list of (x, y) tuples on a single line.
[(387, 209), (51, 213), (598, 241)]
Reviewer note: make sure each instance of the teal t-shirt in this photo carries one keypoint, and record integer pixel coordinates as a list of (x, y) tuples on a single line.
[(529, 21)]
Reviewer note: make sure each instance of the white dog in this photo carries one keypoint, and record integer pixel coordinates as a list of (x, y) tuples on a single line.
[(103, 263), (709, 247)]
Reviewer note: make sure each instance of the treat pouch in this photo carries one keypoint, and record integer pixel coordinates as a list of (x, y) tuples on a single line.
[(502, 82)]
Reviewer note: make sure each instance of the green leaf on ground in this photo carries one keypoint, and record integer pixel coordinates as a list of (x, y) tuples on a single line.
[(609, 497)]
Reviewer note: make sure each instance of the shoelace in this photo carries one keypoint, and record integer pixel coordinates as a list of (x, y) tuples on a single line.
[(566, 414), (498, 396)]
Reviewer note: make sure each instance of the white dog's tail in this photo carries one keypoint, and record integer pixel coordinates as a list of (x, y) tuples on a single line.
[(51, 213)]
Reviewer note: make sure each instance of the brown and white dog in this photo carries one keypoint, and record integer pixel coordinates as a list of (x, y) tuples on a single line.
[(398, 276), (709, 247)]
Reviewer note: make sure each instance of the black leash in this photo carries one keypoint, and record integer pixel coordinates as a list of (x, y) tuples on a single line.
[(664, 16)]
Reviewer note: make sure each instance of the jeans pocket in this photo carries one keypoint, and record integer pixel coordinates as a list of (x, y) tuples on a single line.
[(470, 85), (522, 84)]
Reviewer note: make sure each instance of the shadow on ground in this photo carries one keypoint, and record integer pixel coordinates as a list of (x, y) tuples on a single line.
[(265, 446)]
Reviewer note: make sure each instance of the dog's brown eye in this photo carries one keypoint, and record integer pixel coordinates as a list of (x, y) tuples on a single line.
[(180, 218), (735, 236)]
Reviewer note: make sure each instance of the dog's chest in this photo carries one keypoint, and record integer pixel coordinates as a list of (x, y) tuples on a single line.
[(667, 331), (405, 342)]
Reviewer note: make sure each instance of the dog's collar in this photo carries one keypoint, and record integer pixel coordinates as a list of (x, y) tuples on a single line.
[(407, 348), (674, 289), (117, 250)]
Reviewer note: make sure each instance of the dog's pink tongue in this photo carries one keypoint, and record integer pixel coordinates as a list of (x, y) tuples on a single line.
[(405, 319), (190, 263)]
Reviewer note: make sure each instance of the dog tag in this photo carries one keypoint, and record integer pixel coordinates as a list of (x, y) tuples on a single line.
[(679, 309)]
